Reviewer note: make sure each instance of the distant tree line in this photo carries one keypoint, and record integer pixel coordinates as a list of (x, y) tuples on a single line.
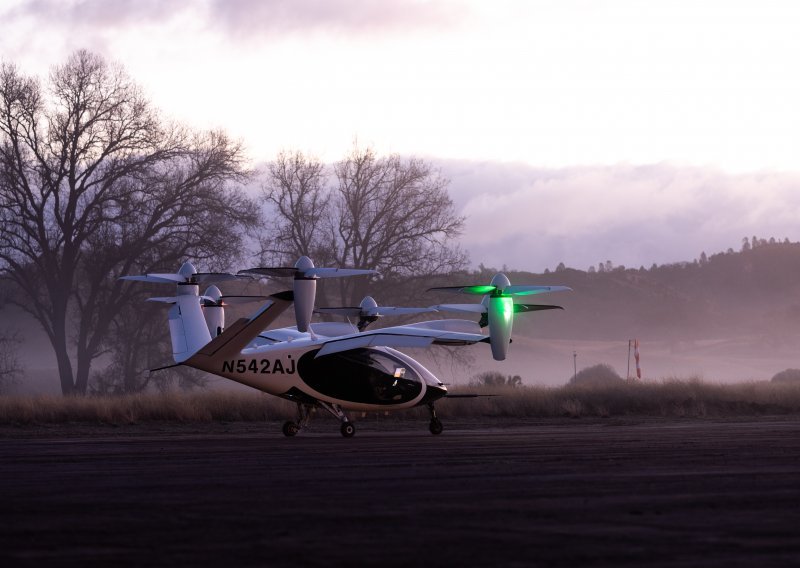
[(748, 244)]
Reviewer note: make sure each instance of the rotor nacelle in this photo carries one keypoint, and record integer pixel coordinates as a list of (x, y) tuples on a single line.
[(305, 276), (368, 311), (213, 310), (497, 308), (185, 301), (214, 304)]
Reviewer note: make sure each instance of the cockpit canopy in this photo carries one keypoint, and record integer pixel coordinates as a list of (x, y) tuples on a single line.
[(366, 376)]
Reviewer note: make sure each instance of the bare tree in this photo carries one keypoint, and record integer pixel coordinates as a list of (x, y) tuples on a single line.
[(390, 214), (296, 226), (394, 216), (10, 368), (94, 185), (141, 342)]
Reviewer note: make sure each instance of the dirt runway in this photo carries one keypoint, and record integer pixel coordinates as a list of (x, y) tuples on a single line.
[(549, 493)]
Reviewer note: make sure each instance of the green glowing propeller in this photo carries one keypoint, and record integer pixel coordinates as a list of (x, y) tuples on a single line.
[(497, 308)]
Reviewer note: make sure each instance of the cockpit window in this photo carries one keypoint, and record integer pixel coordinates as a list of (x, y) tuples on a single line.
[(361, 375)]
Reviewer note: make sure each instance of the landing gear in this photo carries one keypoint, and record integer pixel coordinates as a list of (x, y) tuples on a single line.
[(436, 425), (290, 429), (348, 430), (304, 412)]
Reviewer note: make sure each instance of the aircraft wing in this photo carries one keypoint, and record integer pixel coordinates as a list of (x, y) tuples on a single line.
[(463, 308), (438, 332), (321, 329)]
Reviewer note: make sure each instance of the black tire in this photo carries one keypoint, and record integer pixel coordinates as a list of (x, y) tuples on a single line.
[(290, 429), (348, 430), (436, 427)]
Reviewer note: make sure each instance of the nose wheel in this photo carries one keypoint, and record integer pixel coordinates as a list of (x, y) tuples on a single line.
[(435, 426), (348, 430)]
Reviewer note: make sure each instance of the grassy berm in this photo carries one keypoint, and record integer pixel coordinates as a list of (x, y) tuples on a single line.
[(664, 398)]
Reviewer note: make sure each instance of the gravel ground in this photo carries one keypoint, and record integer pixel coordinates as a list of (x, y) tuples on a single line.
[(501, 493)]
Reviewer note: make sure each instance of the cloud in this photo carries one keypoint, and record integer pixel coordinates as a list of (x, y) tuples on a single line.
[(39, 33), (359, 16), (95, 14), (532, 219), (243, 17)]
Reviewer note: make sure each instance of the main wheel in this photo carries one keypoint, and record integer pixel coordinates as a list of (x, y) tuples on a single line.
[(436, 427), (348, 430), (290, 429)]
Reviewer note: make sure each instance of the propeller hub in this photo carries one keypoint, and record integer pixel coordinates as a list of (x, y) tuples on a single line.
[(214, 293), (501, 282), (303, 263), (368, 302), (187, 270)]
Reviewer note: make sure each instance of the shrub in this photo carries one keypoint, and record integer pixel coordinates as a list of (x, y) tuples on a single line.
[(495, 379), (597, 375), (787, 376)]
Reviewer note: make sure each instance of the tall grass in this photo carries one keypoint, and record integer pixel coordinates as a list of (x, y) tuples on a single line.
[(666, 398), (131, 409)]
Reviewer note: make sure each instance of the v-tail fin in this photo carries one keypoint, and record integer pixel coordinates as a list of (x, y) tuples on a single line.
[(237, 336), (187, 327)]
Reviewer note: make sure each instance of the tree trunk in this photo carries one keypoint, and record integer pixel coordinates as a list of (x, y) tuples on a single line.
[(64, 366), (82, 374)]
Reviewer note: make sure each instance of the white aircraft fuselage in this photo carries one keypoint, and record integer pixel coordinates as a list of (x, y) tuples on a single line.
[(363, 379)]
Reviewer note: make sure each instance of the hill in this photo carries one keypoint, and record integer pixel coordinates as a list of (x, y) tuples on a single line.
[(733, 315), (754, 293)]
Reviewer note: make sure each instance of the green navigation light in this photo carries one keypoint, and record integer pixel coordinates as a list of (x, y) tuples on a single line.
[(507, 308)]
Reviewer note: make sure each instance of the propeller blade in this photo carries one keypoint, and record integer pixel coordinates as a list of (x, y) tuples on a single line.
[(520, 308), (243, 299), (529, 290), (350, 312), (205, 277), (277, 271), (479, 290), (336, 272), (462, 308), (163, 300), (157, 278), (391, 311), (209, 301)]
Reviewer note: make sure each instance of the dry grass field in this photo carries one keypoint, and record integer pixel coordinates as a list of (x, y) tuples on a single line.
[(665, 398)]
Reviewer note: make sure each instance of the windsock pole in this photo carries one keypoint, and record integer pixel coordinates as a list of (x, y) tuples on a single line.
[(628, 374)]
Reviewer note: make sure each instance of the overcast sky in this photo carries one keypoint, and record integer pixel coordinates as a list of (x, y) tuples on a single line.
[(575, 131)]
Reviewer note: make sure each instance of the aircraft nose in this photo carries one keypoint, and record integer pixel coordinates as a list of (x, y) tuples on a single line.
[(434, 393)]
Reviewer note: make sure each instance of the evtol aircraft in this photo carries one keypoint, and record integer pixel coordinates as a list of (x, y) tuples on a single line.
[(335, 366)]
